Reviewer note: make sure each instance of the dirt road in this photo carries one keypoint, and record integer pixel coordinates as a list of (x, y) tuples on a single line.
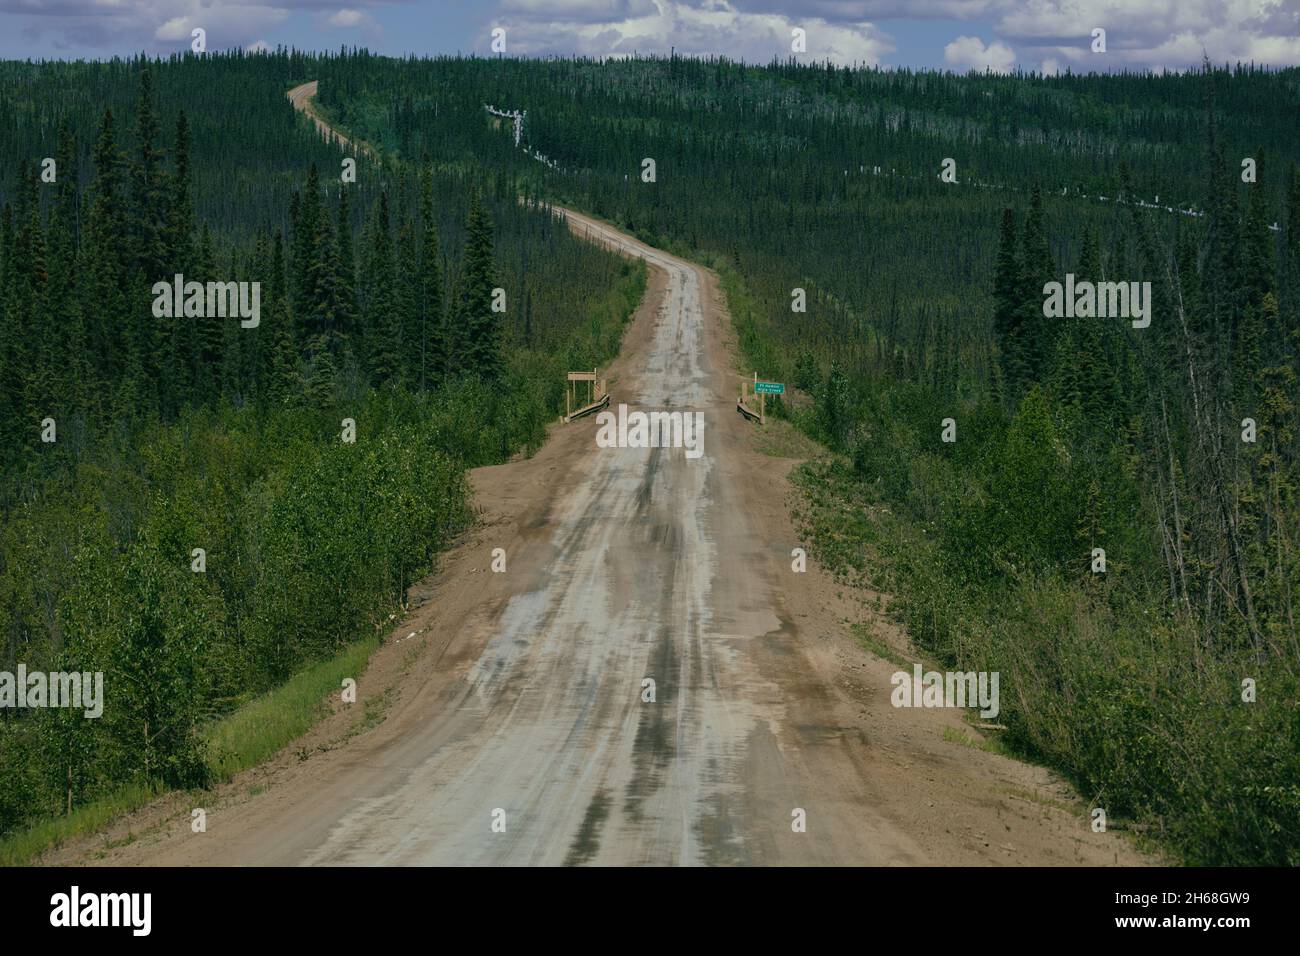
[(302, 99), (514, 728)]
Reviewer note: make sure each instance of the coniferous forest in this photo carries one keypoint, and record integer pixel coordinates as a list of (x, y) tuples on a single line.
[(920, 214), (1170, 452), (173, 434)]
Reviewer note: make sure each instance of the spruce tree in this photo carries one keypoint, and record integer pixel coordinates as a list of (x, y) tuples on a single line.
[(211, 339), (277, 353), (104, 298), (346, 271), (481, 327), (322, 322), (1008, 313), (283, 384), (381, 319), (1082, 373), (149, 202), (306, 233), (149, 345), (180, 213), (431, 343), (407, 305), (67, 356), (1037, 269)]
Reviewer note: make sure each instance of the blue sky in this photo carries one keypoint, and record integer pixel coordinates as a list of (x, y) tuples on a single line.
[(1001, 35)]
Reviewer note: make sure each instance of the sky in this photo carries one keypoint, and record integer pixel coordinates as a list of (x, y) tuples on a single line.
[(999, 35)]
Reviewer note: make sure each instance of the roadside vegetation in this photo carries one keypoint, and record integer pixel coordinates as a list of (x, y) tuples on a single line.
[(317, 459)]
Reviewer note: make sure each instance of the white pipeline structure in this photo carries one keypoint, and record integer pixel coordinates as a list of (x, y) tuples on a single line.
[(517, 117)]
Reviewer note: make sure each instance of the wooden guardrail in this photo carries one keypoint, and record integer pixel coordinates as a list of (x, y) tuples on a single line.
[(744, 404)]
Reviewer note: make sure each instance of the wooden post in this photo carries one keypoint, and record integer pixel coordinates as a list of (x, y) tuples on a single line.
[(595, 392)]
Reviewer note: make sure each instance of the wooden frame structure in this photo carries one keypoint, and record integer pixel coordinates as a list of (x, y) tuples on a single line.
[(748, 391), (597, 395)]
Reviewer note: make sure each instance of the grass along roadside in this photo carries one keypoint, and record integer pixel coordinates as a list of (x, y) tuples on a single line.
[(259, 729), (242, 739)]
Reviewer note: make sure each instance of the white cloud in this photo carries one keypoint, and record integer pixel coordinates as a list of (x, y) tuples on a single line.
[(346, 18), (160, 26), (710, 28), (1141, 34), (857, 11), (576, 11), (970, 53), (226, 24), (129, 25), (1156, 34)]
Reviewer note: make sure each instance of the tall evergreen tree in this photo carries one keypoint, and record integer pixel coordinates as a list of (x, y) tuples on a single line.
[(148, 345), (180, 211), (1037, 268), (1008, 312), (307, 230), (407, 305), (480, 326), (66, 353), (1083, 375), (381, 314), (430, 345), (211, 335), (346, 272), (150, 204), (281, 384), (105, 300)]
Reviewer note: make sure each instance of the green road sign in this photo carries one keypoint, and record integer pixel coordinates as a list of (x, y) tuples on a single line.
[(769, 388)]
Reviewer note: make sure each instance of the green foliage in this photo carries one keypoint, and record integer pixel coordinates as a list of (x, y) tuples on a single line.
[(258, 729), (1096, 684), (924, 303), (184, 433), (477, 326), (1024, 518), (835, 405)]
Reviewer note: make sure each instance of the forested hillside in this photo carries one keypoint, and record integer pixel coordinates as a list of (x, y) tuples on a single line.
[(1165, 684), (131, 440)]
